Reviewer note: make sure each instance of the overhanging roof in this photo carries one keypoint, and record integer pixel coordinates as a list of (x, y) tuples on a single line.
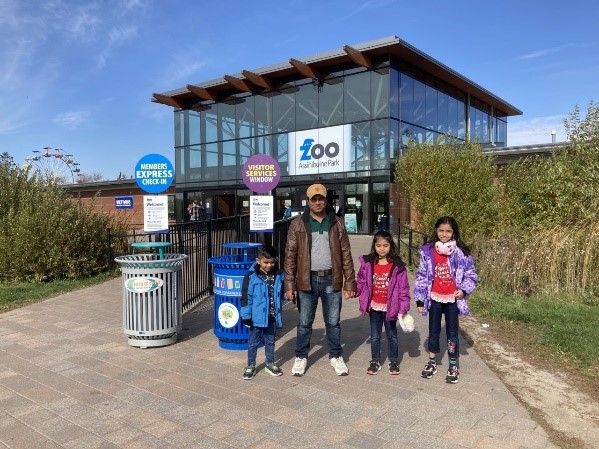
[(318, 66)]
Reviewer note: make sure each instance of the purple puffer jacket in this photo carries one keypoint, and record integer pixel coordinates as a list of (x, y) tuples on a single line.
[(461, 268), (398, 301)]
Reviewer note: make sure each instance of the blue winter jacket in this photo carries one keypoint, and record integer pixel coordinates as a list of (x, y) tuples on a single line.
[(254, 298)]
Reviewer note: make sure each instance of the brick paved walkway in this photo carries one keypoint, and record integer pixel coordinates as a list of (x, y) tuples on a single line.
[(69, 379)]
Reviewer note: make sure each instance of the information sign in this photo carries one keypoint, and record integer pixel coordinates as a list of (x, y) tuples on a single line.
[(155, 213), (261, 213)]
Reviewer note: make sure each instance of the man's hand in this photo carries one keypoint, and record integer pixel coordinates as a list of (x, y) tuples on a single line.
[(290, 295), (349, 294)]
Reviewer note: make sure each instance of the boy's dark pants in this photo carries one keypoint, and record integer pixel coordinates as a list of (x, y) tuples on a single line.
[(451, 328), (262, 335)]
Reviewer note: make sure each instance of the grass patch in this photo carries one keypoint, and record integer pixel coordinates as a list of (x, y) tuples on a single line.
[(18, 294), (562, 326)]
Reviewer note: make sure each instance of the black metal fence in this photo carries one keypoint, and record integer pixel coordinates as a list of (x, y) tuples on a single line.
[(200, 240), (409, 244)]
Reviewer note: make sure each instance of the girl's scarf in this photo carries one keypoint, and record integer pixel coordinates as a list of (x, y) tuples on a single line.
[(446, 248)]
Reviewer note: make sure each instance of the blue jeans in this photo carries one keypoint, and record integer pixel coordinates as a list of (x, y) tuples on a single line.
[(262, 335), (377, 319), (451, 328), (322, 287)]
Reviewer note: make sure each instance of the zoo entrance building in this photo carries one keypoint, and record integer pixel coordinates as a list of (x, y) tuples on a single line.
[(368, 99)]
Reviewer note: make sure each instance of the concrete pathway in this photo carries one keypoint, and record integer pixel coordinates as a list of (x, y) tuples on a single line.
[(68, 379)]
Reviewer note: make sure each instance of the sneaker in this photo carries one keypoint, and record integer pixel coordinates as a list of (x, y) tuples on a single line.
[(394, 368), (453, 373), (249, 373), (374, 368), (429, 370), (273, 369), (339, 365), (299, 366)]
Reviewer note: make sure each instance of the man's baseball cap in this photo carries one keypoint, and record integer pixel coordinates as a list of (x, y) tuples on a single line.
[(316, 189)]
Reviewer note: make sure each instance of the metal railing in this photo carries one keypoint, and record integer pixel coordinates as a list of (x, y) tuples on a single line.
[(410, 241), (199, 240)]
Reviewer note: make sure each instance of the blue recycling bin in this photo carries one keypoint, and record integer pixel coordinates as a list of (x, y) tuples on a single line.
[(229, 271)]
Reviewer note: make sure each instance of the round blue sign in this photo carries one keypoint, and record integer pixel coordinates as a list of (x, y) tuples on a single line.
[(154, 173)]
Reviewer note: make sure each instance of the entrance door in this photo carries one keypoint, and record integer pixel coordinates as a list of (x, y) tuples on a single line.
[(380, 206), (224, 205)]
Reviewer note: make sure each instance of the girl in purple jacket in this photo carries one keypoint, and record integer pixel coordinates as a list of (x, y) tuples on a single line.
[(384, 293), (445, 277)]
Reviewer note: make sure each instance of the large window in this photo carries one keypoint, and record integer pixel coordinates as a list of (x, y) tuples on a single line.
[(357, 97), (479, 121), (306, 107), (360, 147), (245, 117), (226, 121), (283, 109), (406, 98), (380, 144), (263, 114), (229, 160), (380, 92), (330, 102)]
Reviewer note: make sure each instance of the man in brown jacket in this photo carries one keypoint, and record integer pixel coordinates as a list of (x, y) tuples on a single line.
[(318, 264)]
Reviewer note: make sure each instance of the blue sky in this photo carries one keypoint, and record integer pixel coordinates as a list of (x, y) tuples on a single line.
[(79, 75)]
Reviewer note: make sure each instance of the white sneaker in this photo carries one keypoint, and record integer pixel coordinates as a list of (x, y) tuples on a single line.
[(299, 366), (339, 365)]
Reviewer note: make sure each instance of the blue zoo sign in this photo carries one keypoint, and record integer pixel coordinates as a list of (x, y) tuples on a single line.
[(123, 202), (154, 173)]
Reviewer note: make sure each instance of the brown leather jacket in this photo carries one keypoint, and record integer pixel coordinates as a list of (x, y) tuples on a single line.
[(299, 247)]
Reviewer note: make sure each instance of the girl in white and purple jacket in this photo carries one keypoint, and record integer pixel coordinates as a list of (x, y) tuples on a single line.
[(383, 293), (445, 278)]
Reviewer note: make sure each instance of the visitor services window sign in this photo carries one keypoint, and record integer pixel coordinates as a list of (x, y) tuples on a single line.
[(261, 174), (320, 150)]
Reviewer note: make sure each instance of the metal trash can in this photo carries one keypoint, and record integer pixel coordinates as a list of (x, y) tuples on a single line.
[(152, 304), (229, 271)]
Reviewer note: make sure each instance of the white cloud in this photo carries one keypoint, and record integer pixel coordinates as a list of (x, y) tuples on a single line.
[(39, 42), (116, 36), (121, 34), (536, 54), (183, 67), (72, 119), (535, 130)]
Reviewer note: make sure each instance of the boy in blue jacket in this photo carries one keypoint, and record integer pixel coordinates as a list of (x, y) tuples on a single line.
[(261, 303)]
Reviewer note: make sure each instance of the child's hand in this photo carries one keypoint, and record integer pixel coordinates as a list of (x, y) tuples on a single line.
[(458, 294), (348, 294), (420, 309)]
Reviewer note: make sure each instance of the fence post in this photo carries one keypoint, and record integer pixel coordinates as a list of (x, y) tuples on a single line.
[(410, 246), (109, 249), (209, 253)]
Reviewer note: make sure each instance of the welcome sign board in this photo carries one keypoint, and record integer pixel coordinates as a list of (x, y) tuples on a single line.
[(320, 150)]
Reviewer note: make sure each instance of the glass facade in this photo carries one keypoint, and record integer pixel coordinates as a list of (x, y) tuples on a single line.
[(386, 107)]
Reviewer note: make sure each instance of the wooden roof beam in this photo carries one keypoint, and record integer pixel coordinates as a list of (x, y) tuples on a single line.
[(257, 79), (238, 83), (169, 101), (358, 57), (305, 69), (201, 92)]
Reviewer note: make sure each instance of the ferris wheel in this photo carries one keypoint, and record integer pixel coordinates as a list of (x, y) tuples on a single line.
[(54, 165)]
